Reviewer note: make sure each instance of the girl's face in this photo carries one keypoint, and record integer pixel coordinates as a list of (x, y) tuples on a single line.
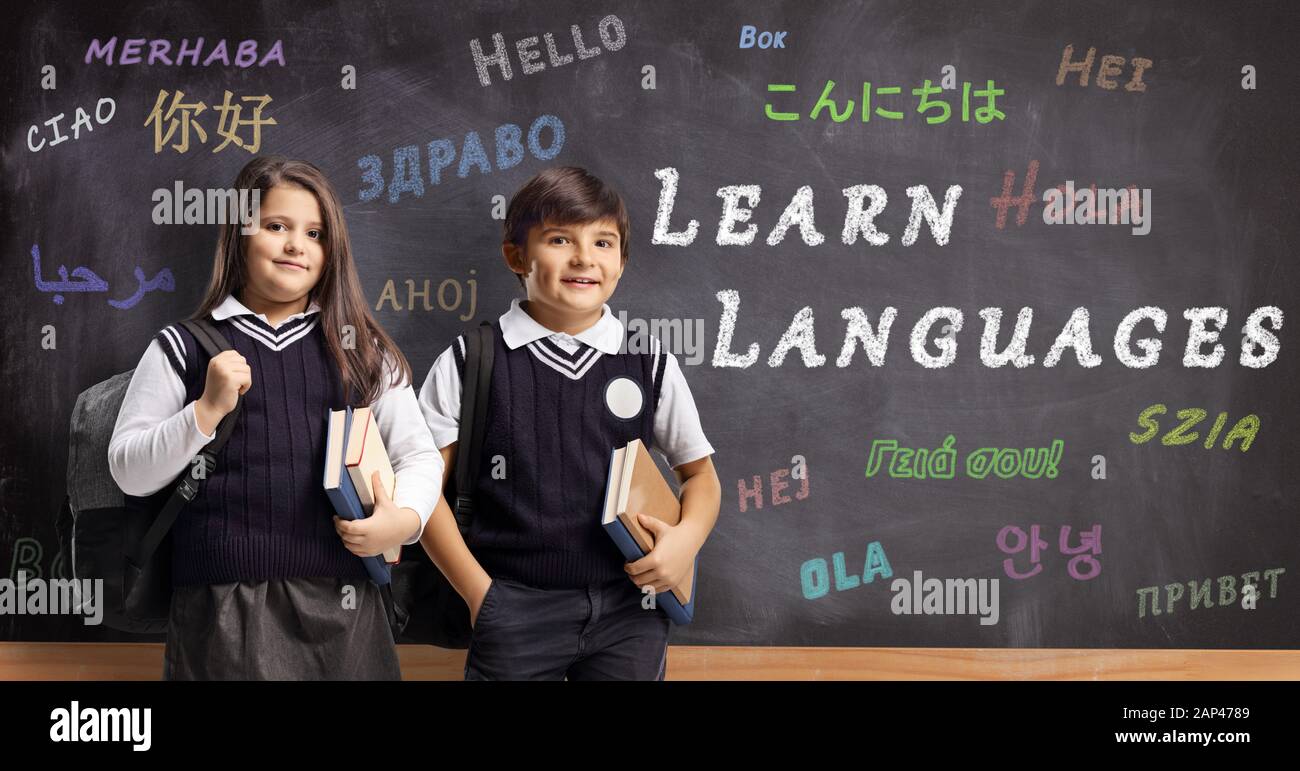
[(286, 255)]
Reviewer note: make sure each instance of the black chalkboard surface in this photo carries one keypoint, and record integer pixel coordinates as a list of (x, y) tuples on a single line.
[(882, 154)]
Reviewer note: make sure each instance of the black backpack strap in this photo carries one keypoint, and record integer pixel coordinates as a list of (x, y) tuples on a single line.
[(213, 343), (475, 392)]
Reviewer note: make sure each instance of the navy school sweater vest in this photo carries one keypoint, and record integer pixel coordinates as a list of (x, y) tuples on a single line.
[(263, 512), (550, 432)]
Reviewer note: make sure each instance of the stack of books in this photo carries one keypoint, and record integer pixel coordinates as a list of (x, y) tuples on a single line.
[(635, 486), (353, 452)]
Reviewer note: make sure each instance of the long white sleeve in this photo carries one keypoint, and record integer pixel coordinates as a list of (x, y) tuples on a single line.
[(156, 434), (417, 464)]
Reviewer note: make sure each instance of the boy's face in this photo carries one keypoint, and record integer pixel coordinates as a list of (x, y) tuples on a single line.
[(572, 270)]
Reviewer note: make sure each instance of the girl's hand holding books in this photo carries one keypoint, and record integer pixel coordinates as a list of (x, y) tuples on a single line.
[(386, 527)]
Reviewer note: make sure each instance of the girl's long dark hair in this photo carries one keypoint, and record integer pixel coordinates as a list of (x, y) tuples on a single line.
[(338, 292)]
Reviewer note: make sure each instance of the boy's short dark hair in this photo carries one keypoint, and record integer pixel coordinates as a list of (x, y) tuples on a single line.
[(563, 195)]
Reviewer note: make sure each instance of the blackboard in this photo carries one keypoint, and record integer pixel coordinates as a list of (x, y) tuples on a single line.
[(1205, 125)]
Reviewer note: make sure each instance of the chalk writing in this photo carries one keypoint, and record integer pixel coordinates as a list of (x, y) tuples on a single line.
[(750, 37), (184, 115), (776, 483), (26, 558), (1111, 66), (90, 282), (612, 34), (935, 108), (451, 295), (800, 212), (940, 462), (1082, 567), (105, 109), (1075, 334), (1244, 429), (130, 53), (1022, 202), (1201, 592), (407, 171), (815, 574)]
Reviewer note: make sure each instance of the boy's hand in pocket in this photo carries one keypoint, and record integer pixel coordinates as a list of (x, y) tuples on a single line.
[(386, 527), (476, 607)]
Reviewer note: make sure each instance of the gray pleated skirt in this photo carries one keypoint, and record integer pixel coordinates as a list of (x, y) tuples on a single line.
[(280, 629)]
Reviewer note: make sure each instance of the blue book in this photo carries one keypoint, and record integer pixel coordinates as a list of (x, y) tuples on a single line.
[(340, 490), (635, 486)]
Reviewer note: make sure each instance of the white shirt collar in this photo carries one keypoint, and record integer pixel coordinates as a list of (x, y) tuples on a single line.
[(232, 307), (518, 328)]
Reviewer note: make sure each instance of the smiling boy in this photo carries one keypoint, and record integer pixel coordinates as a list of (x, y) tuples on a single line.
[(549, 594)]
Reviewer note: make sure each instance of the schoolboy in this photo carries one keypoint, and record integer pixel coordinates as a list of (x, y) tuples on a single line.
[(550, 595)]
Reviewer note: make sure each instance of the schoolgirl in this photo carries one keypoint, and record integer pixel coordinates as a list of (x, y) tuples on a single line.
[(267, 583)]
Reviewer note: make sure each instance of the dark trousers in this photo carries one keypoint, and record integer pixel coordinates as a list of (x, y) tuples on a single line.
[(600, 632)]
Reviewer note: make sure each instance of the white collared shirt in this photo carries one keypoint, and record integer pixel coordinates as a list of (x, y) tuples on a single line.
[(678, 435), (157, 434), (232, 307)]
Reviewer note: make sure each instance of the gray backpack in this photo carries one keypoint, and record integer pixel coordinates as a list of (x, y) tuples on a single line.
[(122, 540)]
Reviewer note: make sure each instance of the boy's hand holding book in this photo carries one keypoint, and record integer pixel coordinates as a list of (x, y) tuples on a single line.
[(387, 527), (643, 516), (672, 559)]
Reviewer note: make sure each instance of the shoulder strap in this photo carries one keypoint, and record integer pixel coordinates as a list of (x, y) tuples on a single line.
[(475, 392), (213, 343)]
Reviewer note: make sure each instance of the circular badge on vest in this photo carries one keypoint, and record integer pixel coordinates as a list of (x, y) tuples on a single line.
[(624, 398)]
